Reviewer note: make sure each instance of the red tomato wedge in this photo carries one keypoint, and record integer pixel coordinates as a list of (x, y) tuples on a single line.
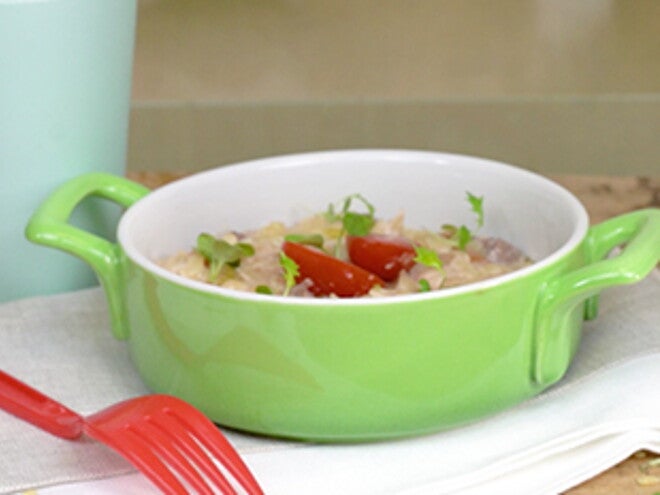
[(382, 255), (329, 275)]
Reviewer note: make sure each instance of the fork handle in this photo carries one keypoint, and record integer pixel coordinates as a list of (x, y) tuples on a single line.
[(29, 404)]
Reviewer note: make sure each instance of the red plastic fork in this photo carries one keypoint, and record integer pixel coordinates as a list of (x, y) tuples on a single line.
[(167, 439)]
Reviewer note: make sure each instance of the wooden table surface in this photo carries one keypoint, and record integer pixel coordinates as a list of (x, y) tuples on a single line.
[(603, 197)]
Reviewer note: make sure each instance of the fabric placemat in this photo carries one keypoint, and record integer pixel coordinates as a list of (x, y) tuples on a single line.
[(63, 345), (542, 447)]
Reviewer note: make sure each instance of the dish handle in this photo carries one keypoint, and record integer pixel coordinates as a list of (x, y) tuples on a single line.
[(49, 226), (638, 233)]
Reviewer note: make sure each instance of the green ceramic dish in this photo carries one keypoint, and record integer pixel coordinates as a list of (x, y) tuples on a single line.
[(347, 370)]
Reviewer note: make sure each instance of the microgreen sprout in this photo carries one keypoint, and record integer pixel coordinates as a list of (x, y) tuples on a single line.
[(463, 235), (428, 257), (477, 204), (353, 223), (424, 285), (449, 229), (263, 289), (219, 252), (309, 239), (291, 272)]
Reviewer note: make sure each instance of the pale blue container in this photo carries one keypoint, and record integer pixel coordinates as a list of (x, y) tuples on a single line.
[(65, 82)]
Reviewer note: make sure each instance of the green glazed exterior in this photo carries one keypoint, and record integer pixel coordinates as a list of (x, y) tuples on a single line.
[(305, 371), (308, 374)]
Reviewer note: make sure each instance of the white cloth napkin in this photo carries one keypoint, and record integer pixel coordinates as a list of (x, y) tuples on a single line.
[(426, 467), (604, 409)]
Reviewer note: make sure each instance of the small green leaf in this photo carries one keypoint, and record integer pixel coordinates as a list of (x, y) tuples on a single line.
[(309, 239), (428, 257), (449, 229), (246, 249), (349, 200), (242, 250), (463, 236), (331, 215), (219, 252), (205, 244), (477, 207), (357, 224), (460, 235), (263, 289), (353, 223), (291, 272)]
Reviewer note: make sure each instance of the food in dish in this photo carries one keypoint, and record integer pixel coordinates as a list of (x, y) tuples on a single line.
[(347, 251)]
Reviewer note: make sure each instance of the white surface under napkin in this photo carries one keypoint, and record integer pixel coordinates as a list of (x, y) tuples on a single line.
[(604, 409)]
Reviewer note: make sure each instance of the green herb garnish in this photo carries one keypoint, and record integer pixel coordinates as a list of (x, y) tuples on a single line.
[(291, 272), (309, 239), (428, 257), (263, 289), (449, 229), (463, 235), (424, 285), (477, 207), (353, 223), (219, 252)]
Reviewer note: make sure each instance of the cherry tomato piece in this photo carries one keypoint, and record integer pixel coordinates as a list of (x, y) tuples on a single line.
[(383, 255), (329, 275)]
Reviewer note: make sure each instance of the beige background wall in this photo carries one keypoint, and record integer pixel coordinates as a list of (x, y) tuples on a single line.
[(557, 86)]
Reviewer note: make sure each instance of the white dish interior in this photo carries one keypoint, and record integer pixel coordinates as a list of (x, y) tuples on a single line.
[(528, 210)]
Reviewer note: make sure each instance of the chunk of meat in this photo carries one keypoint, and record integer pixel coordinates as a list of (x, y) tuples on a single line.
[(499, 251)]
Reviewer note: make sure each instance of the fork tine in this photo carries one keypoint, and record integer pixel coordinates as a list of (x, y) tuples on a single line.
[(140, 455), (186, 441), (210, 436), (169, 445)]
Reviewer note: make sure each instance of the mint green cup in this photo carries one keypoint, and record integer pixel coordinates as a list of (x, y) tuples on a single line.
[(352, 369), (65, 88)]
